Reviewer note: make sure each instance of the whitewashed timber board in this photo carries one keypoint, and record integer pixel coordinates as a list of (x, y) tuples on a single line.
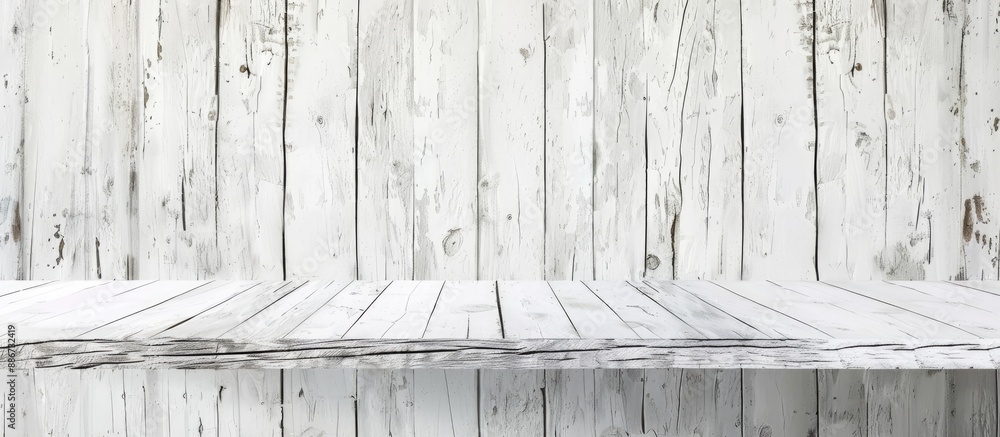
[(510, 324), (127, 121)]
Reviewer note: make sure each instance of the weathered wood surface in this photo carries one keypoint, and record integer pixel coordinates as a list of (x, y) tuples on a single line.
[(483, 324), (599, 148), (135, 192)]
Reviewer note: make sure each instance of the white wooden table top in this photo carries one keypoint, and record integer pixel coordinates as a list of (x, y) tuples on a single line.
[(486, 324)]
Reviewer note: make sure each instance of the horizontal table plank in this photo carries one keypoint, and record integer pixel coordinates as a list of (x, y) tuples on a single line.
[(514, 354), (505, 324)]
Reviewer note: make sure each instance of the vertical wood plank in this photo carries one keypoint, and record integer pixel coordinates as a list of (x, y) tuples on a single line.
[(843, 403), (57, 162), (57, 397), (249, 146), (385, 402), (620, 126), (511, 140), (420, 402), (320, 139), (145, 409), (249, 402), (114, 95), (619, 394), (980, 95), (445, 96), (779, 142), (320, 401), (694, 143), (923, 63), (692, 402), (972, 402), (445, 402), (569, 139), (200, 406), (779, 402), (102, 401), (176, 166), (851, 166), (14, 25), (511, 403), (907, 402), (385, 140), (570, 404)]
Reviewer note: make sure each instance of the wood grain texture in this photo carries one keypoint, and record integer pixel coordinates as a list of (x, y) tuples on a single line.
[(511, 140), (512, 354), (445, 129), (58, 197), (386, 408), (980, 92), (14, 58), (620, 93), (924, 141), (161, 159), (851, 170), (386, 149), (320, 401), (779, 225), (571, 403), (320, 137), (175, 178), (446, 402), (569, 139), (249, 148), (511, 403), (466, 310), (779, 402), (843, 402), (692, 401), (694, 140)]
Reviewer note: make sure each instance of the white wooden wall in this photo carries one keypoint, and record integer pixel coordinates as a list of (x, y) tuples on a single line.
[(502, 139)]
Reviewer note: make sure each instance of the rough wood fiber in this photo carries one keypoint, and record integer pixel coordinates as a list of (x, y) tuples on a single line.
[(446, 402), (569, 139), (571, 404), (58, 199), (320, 139), (692, 402), (619, 141), (249, 147), (779, 403), (619, 399), (390, 410), (851, 171), (511, 139), (843, 403), (113, 120), (386, 150), (165, 228), (980, 94), (779, 224), (320, 401), (445, 129), (924, 145), (512, 403), (694, 141), (175, 179), (14, 23)]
